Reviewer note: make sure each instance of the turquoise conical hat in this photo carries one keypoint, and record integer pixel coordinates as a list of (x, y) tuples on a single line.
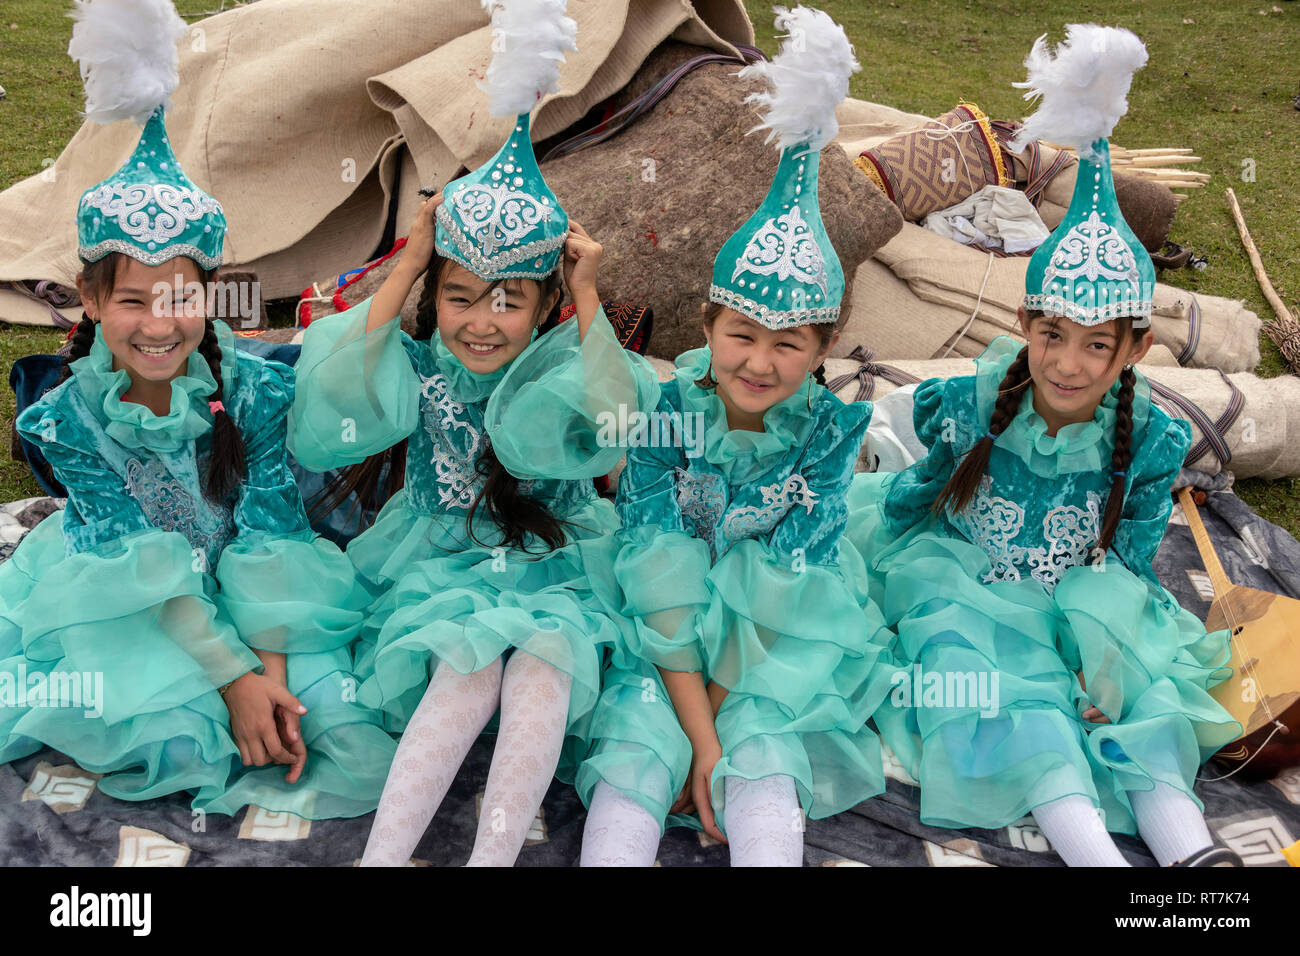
[(780, 268), (502, 220), (1092, 268), (150, 210)]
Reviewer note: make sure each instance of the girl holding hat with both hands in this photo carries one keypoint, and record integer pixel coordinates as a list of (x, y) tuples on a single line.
[(480, 600)]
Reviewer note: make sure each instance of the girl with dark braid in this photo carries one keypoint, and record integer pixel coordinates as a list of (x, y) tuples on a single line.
[(1051, 673), (204, 627)]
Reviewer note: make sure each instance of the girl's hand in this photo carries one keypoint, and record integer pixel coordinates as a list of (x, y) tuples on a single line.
[(703, 759), (581, 260), (252, 701), (287, 724), (411, 264), (419, 241), (1092, 714)]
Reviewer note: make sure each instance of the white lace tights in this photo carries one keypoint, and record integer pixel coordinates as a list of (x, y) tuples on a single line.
[(534, 701)]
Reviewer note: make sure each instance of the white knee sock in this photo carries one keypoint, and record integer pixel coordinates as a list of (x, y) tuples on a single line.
[(1076, 832), (764, 821), (534, 713), (453, 712), (1170, 823), (619, 831)]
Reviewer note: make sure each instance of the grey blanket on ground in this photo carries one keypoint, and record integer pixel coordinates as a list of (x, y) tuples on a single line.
[(51, 813)]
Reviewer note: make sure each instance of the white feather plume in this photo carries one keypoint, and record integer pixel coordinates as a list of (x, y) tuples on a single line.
[(1084, 85), (529, 39), (128, 57), (808, 78)]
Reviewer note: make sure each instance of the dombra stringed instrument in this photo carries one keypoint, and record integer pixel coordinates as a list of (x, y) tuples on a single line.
[(1263, 693)]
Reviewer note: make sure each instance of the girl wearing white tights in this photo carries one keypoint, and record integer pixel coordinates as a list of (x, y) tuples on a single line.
[(480, 600), (739, 701)]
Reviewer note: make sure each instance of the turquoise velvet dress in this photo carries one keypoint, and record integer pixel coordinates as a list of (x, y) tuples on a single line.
[(1004, 589), (731, 563), (164, 593), (438, 594)]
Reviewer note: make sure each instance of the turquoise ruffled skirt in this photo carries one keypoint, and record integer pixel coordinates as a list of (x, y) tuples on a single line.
[(988, 719), (804, 659), (147, 632), (438, 598)]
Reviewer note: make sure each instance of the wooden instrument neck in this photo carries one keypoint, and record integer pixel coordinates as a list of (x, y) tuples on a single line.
[(1218, 577)]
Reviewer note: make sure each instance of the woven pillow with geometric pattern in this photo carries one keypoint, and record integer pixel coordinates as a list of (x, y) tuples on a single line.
[(939, 165)]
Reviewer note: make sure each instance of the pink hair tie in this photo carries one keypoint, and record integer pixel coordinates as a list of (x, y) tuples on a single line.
[(215, 407)]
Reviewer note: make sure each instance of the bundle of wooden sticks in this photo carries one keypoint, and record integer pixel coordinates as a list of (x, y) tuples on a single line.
[(1162, 165)]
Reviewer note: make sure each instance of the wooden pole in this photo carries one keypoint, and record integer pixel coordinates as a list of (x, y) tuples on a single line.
[(1284, 330)]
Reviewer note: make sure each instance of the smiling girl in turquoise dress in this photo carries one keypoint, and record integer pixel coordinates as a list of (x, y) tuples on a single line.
[(182, 573), (1021, 546), (755, 657), (480, 597)]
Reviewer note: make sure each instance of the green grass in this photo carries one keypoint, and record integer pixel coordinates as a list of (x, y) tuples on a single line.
[(1223, 84)]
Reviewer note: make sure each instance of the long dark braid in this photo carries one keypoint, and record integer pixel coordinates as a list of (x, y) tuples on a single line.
[(965, 480), (83, 337), (1120, 458), (227, 466)]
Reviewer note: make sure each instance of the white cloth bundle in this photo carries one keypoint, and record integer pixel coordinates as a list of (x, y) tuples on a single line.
[(995, 217)]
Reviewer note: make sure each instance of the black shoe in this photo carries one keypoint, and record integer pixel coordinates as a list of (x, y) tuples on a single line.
[(1212, 856)]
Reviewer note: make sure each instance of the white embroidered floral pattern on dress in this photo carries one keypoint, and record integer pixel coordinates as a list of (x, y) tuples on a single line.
[(458, 478), (170, 507), (700, 498), (751, 522), (993, 523)]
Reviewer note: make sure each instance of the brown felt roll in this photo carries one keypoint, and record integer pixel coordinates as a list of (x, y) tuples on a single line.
[(663, 195), (1148, 208)]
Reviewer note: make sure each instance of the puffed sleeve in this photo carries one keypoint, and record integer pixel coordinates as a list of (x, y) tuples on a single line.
[(285, 588), (99, 512), (565, 406), (660, 566), (910, 494), (358, 392), (111, 594)]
